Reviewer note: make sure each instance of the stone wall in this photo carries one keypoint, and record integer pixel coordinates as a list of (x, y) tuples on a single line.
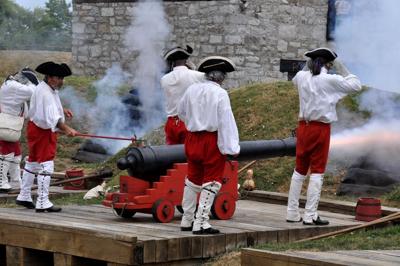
[(255, 35)]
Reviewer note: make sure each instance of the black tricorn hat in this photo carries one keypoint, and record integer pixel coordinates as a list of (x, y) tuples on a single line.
[(178, 53), (220, 63), (53, 69), (30, 75), (322, 52)]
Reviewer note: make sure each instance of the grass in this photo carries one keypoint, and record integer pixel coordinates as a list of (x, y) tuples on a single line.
[(267, 111), (381, 238)]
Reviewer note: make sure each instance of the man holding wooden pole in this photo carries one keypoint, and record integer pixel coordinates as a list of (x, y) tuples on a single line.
[(47, 117)]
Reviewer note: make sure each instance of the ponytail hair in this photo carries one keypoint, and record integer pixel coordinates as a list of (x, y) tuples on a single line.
[(316, 65)]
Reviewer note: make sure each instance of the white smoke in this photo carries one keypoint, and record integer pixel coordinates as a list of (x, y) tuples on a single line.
[(146, 37), (367, 42), (108, 115)]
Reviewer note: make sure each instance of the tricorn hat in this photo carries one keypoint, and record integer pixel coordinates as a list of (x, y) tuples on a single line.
[(53, 69), (220, 63), (178, 53), (30, 75), (322, 52)]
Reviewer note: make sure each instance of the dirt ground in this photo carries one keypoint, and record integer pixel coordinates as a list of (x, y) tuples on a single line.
[(14, 60)]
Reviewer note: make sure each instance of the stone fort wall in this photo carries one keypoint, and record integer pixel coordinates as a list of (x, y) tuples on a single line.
[(255, 34)]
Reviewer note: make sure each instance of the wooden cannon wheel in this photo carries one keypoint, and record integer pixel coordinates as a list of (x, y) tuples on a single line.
[(224, 206), (163, 211)]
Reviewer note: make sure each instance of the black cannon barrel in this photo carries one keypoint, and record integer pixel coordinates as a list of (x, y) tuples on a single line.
[(149, 162)]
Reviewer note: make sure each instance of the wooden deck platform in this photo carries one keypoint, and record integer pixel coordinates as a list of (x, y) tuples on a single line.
[(92, 235), (252, 257)]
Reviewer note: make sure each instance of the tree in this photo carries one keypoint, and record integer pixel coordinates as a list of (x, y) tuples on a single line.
[(40, 29)]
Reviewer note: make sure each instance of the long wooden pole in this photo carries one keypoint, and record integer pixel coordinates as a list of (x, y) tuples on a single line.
[(388, 218), (95, 175), (246, 166)]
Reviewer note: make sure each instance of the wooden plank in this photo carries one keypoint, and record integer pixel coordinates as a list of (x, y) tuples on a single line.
[(377, 256), (185, 247), (72, 243), (264, 237), (213, 245), (230, 242), (13, 255), (61, 259), (149, 251), (341, 258), (162, 250), (173, 249), (283, 236), (197, 247), (48, 221), (252, 257)]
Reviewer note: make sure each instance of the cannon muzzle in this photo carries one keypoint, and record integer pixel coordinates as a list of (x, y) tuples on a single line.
[(149, 162)]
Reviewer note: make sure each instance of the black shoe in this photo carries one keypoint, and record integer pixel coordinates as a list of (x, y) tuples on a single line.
[(5, 190), (317, 222), (291, 221), (26, 204), (208, 231), (51, 209)]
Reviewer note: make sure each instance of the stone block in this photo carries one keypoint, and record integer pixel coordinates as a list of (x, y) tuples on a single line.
[(287, 32), (107, 12), (233, 39), (94, 50), (282, 46), (215, 38), (78, 28)]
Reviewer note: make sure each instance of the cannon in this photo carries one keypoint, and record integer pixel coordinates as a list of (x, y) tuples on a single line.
[(156, 178)]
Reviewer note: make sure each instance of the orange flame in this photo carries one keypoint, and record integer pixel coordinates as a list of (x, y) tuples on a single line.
[(382, 137)]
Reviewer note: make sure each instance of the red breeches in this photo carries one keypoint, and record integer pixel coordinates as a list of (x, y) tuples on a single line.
[(205, 161), (42, 143), (312, 147), (10, 147), (175, 131)]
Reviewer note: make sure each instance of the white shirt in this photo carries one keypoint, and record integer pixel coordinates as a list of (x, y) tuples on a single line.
[(13, 97), (175, 84), (45, 108), (206, 107), (319, 94)]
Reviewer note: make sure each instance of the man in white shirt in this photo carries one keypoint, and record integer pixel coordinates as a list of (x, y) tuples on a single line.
[(174, 85), (319, 93), (14, 95), (212, 135), (47, 117)]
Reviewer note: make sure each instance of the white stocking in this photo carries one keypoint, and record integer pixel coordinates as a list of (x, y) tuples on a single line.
[(42, 201), (313, 196), (296, 184), (189, 202), (208, 192)]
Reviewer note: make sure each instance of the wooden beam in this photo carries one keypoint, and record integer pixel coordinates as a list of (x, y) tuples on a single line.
[(70, 243), (389, 218)]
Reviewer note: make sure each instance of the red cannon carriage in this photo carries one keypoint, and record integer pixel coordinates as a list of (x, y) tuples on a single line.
[(157, 173)]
